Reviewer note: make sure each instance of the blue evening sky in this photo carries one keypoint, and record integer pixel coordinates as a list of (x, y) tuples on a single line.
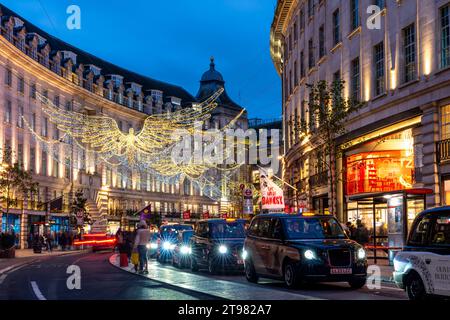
[(173, 40)]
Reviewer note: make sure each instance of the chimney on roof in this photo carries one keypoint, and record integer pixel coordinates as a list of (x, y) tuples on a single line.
[(17, 22), (69, 54), (41, 39), (95, 70)]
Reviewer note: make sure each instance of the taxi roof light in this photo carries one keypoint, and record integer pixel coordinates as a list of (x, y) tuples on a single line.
[(308, 214)]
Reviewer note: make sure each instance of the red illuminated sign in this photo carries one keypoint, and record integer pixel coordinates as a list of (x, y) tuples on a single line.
[(379, 171), (187, 215)]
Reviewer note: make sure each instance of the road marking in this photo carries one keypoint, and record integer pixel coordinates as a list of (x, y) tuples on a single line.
[(18, 266), (36, 291), (2, 278), (8, 268)]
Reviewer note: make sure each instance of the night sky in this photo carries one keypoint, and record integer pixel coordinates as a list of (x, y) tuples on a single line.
[(173, 40)]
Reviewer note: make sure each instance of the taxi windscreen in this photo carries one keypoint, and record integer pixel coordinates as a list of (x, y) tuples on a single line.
[(227, 230), (440, 234), (313, 228), (172, 231)]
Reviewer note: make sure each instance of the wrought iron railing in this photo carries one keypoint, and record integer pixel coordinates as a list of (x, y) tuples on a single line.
[(443, 150), (319, 180)]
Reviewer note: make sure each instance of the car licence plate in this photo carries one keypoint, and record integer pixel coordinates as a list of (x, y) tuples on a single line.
[(341, 271), (240, 262)]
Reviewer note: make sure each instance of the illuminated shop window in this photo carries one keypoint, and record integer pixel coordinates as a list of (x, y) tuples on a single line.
[(382, 165), (445, 122), (446, 184)]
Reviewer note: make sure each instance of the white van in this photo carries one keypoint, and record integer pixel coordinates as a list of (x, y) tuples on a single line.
[(423, 267)]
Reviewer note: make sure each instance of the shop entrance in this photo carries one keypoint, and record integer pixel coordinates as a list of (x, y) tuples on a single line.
[(386, 217)]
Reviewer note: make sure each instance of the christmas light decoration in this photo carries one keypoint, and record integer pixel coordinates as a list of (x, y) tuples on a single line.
[(147, 152)]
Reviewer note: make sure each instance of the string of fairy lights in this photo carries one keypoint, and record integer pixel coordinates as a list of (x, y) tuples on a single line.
[(98, 138)]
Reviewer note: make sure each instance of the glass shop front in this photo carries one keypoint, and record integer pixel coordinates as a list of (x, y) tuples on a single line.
[(379, 193)]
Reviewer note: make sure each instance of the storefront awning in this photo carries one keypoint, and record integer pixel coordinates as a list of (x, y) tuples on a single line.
[(375, 195)]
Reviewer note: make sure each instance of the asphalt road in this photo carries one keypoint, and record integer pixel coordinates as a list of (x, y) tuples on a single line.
[(47, 279), (277, 290)]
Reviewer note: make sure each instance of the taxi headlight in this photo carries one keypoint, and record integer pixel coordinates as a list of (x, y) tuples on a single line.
[(223, 249), (168, 246), (244, 254), (153, 245), (185, 250), (361, 253), (400, 264), (309, 254)]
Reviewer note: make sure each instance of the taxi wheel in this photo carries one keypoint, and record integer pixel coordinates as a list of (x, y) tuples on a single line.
[(194, 266), (212, 268), (291, 278), (357, 283), (250, 272), (415, 287), (176, 265)]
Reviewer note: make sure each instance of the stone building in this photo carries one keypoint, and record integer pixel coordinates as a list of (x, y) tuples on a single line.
[(31, 61), (397, 61), (226, 111)]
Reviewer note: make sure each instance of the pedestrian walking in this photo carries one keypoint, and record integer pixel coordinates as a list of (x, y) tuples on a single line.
[(361, 233), (143, 236), (49, 242), (120, 241), (350, 229), (70, 240), (30, 240), (63, 241)]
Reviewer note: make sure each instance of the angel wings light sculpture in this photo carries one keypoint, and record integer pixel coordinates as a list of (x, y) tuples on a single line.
[(151, 146)]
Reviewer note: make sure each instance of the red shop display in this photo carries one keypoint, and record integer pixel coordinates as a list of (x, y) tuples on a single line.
[(379, 171)]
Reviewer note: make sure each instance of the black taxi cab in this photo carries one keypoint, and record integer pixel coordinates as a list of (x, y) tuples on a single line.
[(302, 248), (217, 245), (422, 268), (167, 239)]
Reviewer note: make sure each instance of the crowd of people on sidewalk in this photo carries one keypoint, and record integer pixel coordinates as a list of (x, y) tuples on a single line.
[(358, 232), (51, 240)]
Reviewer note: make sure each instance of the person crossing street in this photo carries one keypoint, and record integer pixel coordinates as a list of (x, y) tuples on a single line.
[(143, 236)]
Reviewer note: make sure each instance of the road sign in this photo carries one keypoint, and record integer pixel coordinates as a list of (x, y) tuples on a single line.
[(247, 206), (248, 193)]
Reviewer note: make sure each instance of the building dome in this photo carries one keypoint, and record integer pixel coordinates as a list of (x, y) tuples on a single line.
[(212, 74), (212, 81)]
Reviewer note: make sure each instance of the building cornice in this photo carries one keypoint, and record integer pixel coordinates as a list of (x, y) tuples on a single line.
[(19, 59), (281, 18)]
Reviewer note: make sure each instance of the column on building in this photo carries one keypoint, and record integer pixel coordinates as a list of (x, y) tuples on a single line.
[(24, 226), (429, 136)]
